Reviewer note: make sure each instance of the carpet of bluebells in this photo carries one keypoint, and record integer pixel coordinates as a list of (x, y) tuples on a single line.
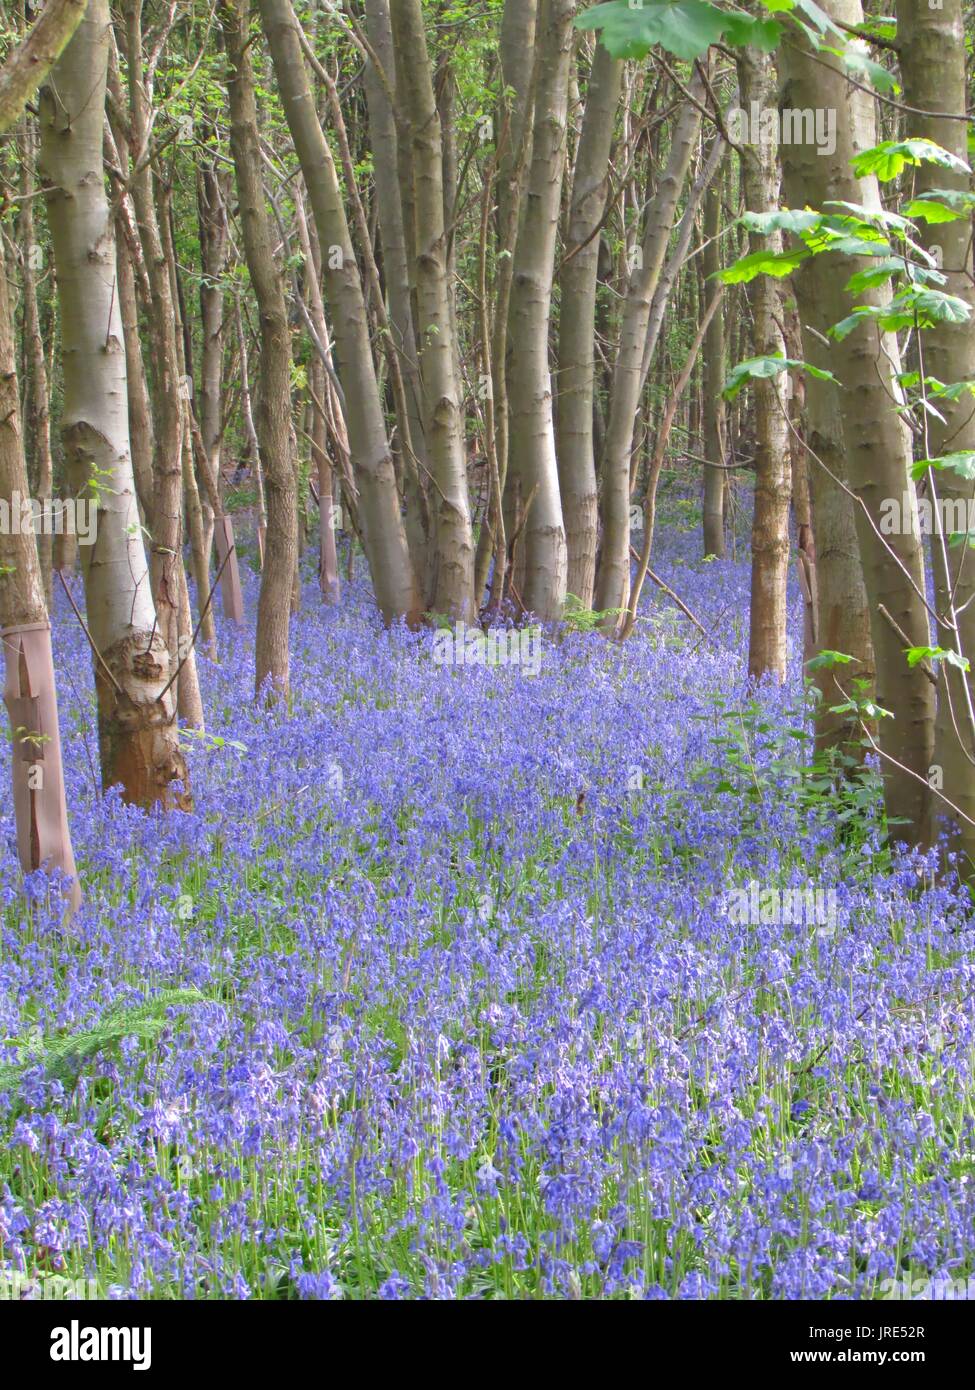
[(435, 994)]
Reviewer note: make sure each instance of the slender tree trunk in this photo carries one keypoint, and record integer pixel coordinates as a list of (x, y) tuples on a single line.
[(715, 441), (328, 572), (520, 58), (768, 615), (38, 415), (876, 441), (931, 43), (577, 325), (137, 726), (385, 141), (383, 532), (273, 420), (30, 693), (191, 709), (141, 431), (212, 219), (168, 414), (613, 578), (532, 457), (439, 368), (843, 611)]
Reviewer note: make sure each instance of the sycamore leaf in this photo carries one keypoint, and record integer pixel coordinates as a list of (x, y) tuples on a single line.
[(962, 462), (826, 658), (931, 212), (915, 655), (763, 368), (874, 217), (958, 199), (856, 61), (779, 264), (883, 270), (887, 159), (686, 28)]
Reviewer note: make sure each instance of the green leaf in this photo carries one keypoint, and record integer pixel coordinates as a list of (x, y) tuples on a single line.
[(778, 264), (873, 217), (930, 211), (826, 659), (958, 199), (962, 462), (686, 28), (890, 157), (915, 655), (763, 368), (744, 31), (856, 61)]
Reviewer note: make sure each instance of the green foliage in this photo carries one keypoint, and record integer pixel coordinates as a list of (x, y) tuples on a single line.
[(826, 660), (63, 1056), (776, 263), (687, 28), (890, 157), (763, 368), (579, 618), (915, 655)]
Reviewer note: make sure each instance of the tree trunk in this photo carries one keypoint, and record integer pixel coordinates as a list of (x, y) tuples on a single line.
[(385, 139), (212, 217), (40, 808), (532, 458), (931, 44), (137, 726), (29, 63), (613, 578), (577, 325), (383, 533), (38, 410), (768, 614), (273, 417), (453, 588), (715, 442), (168, 414), (876, 441)]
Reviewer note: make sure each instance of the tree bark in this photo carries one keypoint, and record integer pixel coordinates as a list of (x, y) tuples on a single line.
[(931, 45), (38, 415), (768, 613), (613, 578), (31, 61), (166, 521), (383, 533), (577, 325), (715, 440), (137, 726), (876, 441), (453, 586), (40, 807), (273, 416)]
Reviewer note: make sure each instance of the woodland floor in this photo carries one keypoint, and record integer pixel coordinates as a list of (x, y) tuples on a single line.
[(399, 1012)]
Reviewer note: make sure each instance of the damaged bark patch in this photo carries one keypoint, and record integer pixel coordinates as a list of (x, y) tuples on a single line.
[(137, 728)]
